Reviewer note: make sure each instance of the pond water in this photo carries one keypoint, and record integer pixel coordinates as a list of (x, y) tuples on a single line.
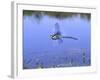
[(41, 51)]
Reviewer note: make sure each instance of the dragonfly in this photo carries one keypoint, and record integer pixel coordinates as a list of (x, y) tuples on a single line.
[(57, 35)]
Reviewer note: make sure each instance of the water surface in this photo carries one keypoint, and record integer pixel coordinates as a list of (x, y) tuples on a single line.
[(40, 51)]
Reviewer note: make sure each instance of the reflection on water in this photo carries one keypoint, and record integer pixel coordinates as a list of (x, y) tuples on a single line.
[(41, 50), (58, 15)]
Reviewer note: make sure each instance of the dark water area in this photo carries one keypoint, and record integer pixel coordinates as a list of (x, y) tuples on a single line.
[(41, 51)]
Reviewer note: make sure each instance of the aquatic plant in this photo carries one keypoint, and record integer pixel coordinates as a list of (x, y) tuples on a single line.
[(39, 64), (26, 63), (83, 56), (72, 61)]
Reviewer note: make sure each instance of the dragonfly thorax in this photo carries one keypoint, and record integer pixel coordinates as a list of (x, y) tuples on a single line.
[(55, 37)]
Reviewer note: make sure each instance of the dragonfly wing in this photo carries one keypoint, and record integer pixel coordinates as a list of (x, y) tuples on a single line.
[(57, 28)]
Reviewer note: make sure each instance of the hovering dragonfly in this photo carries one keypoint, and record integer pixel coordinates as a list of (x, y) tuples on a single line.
[(58, 35)]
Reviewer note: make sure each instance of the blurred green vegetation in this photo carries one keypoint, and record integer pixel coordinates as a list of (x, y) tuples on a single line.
[(58, 15)]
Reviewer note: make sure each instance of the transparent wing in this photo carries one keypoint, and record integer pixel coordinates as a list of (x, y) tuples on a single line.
[(57, 28), (74, 38)]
